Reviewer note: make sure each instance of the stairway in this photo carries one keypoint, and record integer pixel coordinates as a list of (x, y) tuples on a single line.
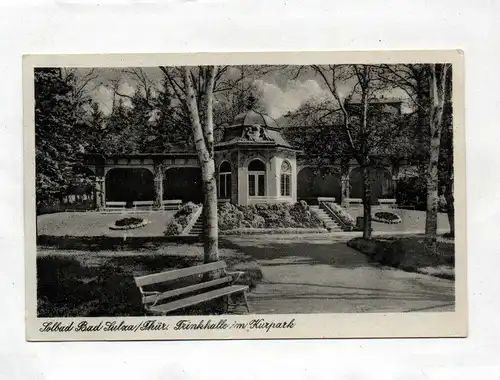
[(329, 223), (197, 228)]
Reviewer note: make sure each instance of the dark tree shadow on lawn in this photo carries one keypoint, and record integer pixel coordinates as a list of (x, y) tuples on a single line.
[(337, 255), (67, 288)]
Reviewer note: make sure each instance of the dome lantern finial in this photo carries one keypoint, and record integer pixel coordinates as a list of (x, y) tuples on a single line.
[(251, 102)]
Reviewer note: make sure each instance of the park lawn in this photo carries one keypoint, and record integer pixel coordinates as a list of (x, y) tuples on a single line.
[(101, 284), (408, 254)]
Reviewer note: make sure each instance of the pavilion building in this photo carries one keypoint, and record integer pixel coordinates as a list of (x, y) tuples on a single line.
[(254, 164)]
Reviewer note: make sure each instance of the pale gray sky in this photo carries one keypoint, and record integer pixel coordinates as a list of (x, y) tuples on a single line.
[(280, 92)]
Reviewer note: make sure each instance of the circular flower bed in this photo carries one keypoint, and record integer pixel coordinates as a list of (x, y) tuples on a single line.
[(386, 217), (129, 223)]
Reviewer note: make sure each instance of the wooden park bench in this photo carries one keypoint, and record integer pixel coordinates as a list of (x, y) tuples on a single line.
[(353, 201), (171, 204), (116, 205), (387, 202), (142, 204), (180, 297)]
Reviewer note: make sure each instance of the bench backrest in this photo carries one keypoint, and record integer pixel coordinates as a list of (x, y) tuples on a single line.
[(354, 200), (142, 203), (116, 204), (387, 201), (326, 199), (177, 274), (171, 202)]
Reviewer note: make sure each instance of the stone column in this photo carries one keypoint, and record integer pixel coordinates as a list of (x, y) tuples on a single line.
[(394, 179), (100, 194), (158, 181), (345, 184)]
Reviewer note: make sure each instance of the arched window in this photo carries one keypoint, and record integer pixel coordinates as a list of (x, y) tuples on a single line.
[(225, 180), (285, 179), (256, 179)]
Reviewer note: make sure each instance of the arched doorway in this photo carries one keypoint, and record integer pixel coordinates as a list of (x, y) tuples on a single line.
[(381, 183), (315, 183), (129, 184), (184, 184)]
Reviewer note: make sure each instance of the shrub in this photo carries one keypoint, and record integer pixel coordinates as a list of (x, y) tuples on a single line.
[(229, 216), (174, 228), (186, 209), (278, 215), (128, 222)]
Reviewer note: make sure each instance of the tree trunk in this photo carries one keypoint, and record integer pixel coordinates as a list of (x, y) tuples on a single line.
[(210, 236), (450, 207), (436, 115), (203, 138), (365, 172), (367, 203), (432, 195)]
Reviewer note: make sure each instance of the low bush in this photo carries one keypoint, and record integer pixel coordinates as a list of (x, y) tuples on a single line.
[(386, 217), (174, 228), (278, 215), (405, 253), (128, 222), (342, 214), (263, 231)]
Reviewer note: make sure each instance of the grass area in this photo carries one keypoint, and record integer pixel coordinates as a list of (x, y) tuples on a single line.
[(98, 284), (407, 253)]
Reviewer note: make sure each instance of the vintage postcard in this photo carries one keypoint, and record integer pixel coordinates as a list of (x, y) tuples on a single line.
[(245, 195)]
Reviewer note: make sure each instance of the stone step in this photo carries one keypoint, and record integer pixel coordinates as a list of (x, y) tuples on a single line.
[(330, 224), (197, 228)]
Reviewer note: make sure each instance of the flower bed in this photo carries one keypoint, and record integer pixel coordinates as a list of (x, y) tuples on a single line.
[(181, 219), (342, 214), (129, 223), (267, 216), (386, 217)]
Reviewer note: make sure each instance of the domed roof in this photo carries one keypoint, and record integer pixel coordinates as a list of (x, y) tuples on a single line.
[(251, 117), (253, 128)]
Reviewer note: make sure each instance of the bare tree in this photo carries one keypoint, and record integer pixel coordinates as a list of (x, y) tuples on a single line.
[(193, 88), (363, 134), (426, 86), (437, 101)]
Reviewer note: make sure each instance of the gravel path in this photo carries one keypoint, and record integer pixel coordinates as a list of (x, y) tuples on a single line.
[(320, 274)]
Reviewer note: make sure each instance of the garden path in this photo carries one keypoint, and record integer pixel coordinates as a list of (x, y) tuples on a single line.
[(321, 274)]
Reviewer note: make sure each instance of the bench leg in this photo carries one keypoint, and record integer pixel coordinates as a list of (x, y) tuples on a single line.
[(246, 301)]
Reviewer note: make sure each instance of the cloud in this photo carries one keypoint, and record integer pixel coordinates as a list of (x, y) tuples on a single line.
[(103, 95), (279, 101)]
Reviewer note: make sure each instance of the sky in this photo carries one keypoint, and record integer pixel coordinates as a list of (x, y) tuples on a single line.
[(280, 91)]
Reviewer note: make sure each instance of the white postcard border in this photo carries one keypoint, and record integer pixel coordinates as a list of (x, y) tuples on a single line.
[(348, 325)]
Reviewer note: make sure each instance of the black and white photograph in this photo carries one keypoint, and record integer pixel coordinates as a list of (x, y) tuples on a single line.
[(192, 197)]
